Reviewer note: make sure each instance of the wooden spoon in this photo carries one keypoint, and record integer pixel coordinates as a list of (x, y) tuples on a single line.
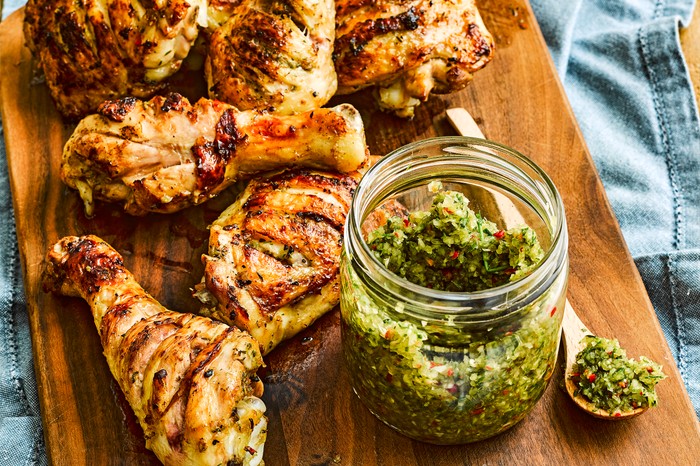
[(572, 328), (574, 331)]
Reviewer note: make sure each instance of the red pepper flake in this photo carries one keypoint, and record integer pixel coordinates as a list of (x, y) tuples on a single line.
[(250, 449), (622, 384), (477, 411), (510, 271), (434, 364), (499, 234), (488, 368), (389, 378), (591, 377), (447, 210), (575, 374), (396, 234), (650, 369), (389, 333), (454, 255), (508, 333), (450, 372), (453, 389), (406, 222), (618, 414), (553, 311), (506, 391)]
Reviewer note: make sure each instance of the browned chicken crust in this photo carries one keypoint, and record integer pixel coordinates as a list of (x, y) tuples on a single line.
[(165, 154), (272, 267), (274, 55), (95, 50), (191, 381), (408, 48)]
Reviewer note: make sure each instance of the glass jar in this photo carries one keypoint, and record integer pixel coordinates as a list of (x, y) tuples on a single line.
[(453, 367)]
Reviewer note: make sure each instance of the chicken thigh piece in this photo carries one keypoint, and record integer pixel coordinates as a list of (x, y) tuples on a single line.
[(191, 381), (96, 50), (165, 154), (408, 49), (273, 55), (274, 255)]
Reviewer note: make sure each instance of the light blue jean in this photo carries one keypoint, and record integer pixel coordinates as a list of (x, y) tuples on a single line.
[(623, 71), (625, 77)]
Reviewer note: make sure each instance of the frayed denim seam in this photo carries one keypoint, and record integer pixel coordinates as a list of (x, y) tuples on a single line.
[(659, 9), (9, 238), (33, 459), (670, 265), (666, 138), (678, 210)]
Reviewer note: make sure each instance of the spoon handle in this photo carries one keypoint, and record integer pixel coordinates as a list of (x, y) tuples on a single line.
[(574, 330)]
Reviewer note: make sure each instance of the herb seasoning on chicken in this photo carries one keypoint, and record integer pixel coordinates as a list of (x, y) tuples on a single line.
[(272, 267), (190, 380)]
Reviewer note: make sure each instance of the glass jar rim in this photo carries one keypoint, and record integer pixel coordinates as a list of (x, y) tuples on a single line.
[(443, 302)]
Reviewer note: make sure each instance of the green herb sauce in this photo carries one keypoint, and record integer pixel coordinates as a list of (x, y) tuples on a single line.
[(452, 248), (612, 382), (445, 383)]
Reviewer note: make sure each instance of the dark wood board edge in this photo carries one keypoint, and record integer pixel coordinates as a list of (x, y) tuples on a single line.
[(581, 293)]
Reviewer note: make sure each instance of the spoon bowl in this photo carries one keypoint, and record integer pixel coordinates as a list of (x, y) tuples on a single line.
[(574, 331)]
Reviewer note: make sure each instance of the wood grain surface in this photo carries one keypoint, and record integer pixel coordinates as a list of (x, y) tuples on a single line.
[(315, 419)]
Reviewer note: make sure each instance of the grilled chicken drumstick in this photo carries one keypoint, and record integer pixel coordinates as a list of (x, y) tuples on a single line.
[(273, 261), (165, 154), (190, 380)]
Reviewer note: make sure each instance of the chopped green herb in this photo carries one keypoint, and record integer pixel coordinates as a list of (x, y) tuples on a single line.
[(612, 382), (442, 382), (452, 248)]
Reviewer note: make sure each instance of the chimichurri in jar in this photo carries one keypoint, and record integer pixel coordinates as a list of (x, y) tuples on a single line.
[(450, 323)]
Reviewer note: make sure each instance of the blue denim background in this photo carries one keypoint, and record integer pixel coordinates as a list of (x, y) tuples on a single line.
[(622, 68)]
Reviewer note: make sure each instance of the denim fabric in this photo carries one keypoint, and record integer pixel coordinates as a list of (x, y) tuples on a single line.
[(625, 77), (21, 437)]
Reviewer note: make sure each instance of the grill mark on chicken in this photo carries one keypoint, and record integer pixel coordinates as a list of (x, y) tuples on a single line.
[(367, 30), (481, 47), (273, 260), (174, 101), (182, 374), (211, 157), (116, 110)]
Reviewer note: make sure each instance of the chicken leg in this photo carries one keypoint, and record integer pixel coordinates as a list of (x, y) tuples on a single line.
[(191, 381), (165, 154)]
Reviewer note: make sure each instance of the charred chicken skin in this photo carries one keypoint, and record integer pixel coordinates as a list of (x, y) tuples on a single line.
[(191, 381), (408, 49), (272, 267), (165, 154), (274, 55), (96, 50)]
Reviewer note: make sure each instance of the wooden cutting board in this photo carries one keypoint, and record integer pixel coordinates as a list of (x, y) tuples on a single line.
[(315, 419)]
